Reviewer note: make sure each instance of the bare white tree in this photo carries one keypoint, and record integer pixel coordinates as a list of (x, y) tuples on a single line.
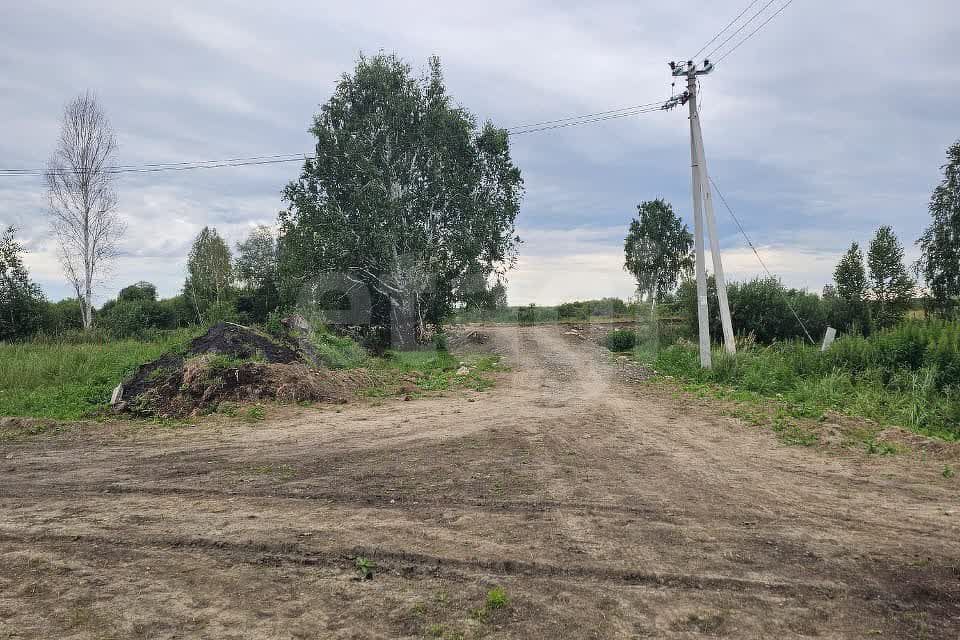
[(82, 199)]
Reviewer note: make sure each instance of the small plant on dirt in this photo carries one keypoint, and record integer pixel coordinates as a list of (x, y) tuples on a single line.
[(621, 340), (256, 413), (219, 363), (364, 567), (497, 598), (228, 409), (947, 471), (880, 448)]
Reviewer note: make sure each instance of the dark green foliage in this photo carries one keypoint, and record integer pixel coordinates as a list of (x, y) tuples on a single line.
[(527, 316), (847, 307), (256, 271), (586, 309), (61, 317), (137, 292), (136, 313), (891, 288), (758, 307), (658, 249), (939, 262), (209, 278), (21, 301), (405, 195), (621, 340)]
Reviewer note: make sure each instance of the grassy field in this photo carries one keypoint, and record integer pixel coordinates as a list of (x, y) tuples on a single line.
[(905, 377), (68, 381)]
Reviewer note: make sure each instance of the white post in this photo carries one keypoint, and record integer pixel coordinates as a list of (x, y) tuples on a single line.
[(729, 341), (703, 317)]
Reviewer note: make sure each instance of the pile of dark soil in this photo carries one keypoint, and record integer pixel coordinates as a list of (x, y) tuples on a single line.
[(240, 342), (195, 382)]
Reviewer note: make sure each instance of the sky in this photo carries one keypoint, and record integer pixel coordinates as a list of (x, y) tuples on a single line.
[(830, 121)]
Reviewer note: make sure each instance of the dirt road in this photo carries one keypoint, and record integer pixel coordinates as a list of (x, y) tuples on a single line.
[(604, 510)]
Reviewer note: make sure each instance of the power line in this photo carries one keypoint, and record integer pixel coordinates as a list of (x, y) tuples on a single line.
[(155, 167), (582, 122), (172, 166), (719, 33), (759, 259), (580, 117), (740, 28), (737, 46)]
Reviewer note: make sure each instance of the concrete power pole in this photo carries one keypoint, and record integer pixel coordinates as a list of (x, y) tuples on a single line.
[(703, 199)]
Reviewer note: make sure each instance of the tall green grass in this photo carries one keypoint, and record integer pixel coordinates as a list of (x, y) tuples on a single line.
[(907, 376), (70, 380)]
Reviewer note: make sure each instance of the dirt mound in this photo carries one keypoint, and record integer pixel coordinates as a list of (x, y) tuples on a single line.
[(199, 386), (196, 382), (240, 342)]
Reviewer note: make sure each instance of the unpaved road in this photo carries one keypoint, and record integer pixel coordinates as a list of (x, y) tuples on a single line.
[(604, 510)]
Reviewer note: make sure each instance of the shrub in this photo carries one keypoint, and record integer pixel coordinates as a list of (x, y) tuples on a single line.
[(760, 307), (621, 340)]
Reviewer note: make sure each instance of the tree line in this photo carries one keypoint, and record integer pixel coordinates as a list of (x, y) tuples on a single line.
[(407, 198), (870, 292)]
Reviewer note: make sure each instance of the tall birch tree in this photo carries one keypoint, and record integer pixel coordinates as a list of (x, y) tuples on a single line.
[(82, 200)]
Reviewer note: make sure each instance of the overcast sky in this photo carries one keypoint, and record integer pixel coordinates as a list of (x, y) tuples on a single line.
[(830, 121)]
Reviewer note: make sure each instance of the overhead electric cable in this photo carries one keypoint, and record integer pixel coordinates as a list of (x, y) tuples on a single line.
[(737, 46), (759, 259), (582, 122), (740, 28), (586, 115), (155, 167), (719, 33)]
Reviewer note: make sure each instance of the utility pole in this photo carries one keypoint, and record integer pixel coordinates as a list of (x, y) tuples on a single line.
[(703, 199)]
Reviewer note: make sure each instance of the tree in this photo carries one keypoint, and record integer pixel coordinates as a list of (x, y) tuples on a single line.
[(404, 196), (850, 276), (891, 287), (658, 249), (848, 306), (939, 262), (256, 271), (138, 291), (209, 274), (82, 201), (21, 301)]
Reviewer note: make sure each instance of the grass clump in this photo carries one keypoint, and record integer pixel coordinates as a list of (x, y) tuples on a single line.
[(337, 352), (497, 598), (256, 413)]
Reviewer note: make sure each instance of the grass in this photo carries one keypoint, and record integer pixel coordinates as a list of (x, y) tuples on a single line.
[(806, 384), (70, 381), (432, 371)]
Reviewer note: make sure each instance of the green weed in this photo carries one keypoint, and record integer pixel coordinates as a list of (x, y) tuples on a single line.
[(947, 471), (364, 567), (256, 413), (497, 598)]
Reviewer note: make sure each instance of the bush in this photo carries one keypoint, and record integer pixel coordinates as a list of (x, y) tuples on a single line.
[(586, 309), (758, 307), (621, 340)]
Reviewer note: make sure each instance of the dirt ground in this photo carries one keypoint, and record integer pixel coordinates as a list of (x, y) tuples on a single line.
[(604, 510)]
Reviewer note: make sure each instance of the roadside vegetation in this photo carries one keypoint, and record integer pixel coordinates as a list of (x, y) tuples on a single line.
[(896, 362)]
